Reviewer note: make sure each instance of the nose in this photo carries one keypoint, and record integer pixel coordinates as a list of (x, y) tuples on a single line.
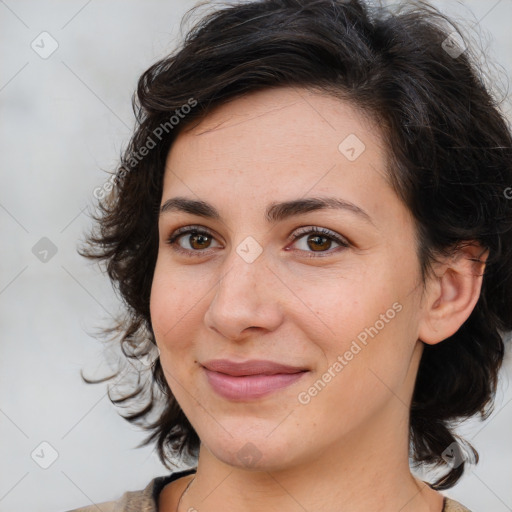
[(246, 298)]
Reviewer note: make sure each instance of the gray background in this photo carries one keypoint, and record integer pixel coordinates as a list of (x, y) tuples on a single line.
[(64, 120)]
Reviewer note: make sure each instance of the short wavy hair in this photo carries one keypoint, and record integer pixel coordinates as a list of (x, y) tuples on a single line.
[(449, 160)]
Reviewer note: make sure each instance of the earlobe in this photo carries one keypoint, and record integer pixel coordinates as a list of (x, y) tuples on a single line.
[(452, 293)]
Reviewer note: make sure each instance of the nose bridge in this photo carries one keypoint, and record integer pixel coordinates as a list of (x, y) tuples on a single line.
[(245, 266), (240, 283), (243, 295)]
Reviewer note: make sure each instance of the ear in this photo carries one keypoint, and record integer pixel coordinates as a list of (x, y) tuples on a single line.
[(452, 293)]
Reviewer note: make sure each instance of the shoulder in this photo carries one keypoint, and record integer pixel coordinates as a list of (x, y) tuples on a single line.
[(109, 506), (144, 500), (454, 506), (131, 500)]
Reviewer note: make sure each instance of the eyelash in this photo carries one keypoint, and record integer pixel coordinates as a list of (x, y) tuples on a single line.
[(198, 230)]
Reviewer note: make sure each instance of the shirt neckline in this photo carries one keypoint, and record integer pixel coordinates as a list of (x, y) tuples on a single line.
[(162, 481)]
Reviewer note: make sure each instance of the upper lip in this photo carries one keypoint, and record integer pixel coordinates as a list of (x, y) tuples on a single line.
[(252, 367)]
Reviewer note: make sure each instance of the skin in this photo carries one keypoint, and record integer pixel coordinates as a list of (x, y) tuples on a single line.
[(347, 448)]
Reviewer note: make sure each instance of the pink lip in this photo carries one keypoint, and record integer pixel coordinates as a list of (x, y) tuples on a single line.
[(250, 379)]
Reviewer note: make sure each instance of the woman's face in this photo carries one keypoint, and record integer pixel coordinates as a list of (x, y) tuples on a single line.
[(343, 305)]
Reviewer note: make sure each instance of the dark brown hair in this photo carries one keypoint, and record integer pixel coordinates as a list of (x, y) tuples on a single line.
[(450, 161)]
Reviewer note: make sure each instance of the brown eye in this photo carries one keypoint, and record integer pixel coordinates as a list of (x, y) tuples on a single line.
[(191, 240), (318, 240), (199, 240)]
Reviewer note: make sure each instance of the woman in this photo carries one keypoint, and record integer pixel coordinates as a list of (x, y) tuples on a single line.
[(311, 227)]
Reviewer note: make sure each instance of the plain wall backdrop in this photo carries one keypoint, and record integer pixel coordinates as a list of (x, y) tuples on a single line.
[(67, 74)]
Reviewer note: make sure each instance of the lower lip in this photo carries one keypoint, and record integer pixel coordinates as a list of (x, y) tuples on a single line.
[(249, 387)]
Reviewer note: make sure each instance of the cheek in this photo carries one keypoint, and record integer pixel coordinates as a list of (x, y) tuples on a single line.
[(174, 305), (364, 367), (344, 302), (160, 305), (366, 315), (172, 317)]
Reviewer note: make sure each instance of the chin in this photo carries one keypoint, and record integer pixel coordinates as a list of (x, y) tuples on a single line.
[(254, 452)]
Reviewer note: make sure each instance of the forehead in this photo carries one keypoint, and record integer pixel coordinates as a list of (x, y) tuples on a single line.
[(276, 134)]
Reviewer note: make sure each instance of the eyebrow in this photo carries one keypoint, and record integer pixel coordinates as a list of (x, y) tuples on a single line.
[(275, 211)]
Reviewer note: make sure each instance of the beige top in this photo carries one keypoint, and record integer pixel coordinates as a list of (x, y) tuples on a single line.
[(146, 500)]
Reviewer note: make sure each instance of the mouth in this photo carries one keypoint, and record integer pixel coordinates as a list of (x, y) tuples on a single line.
[(250, 380), (251, 367)]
